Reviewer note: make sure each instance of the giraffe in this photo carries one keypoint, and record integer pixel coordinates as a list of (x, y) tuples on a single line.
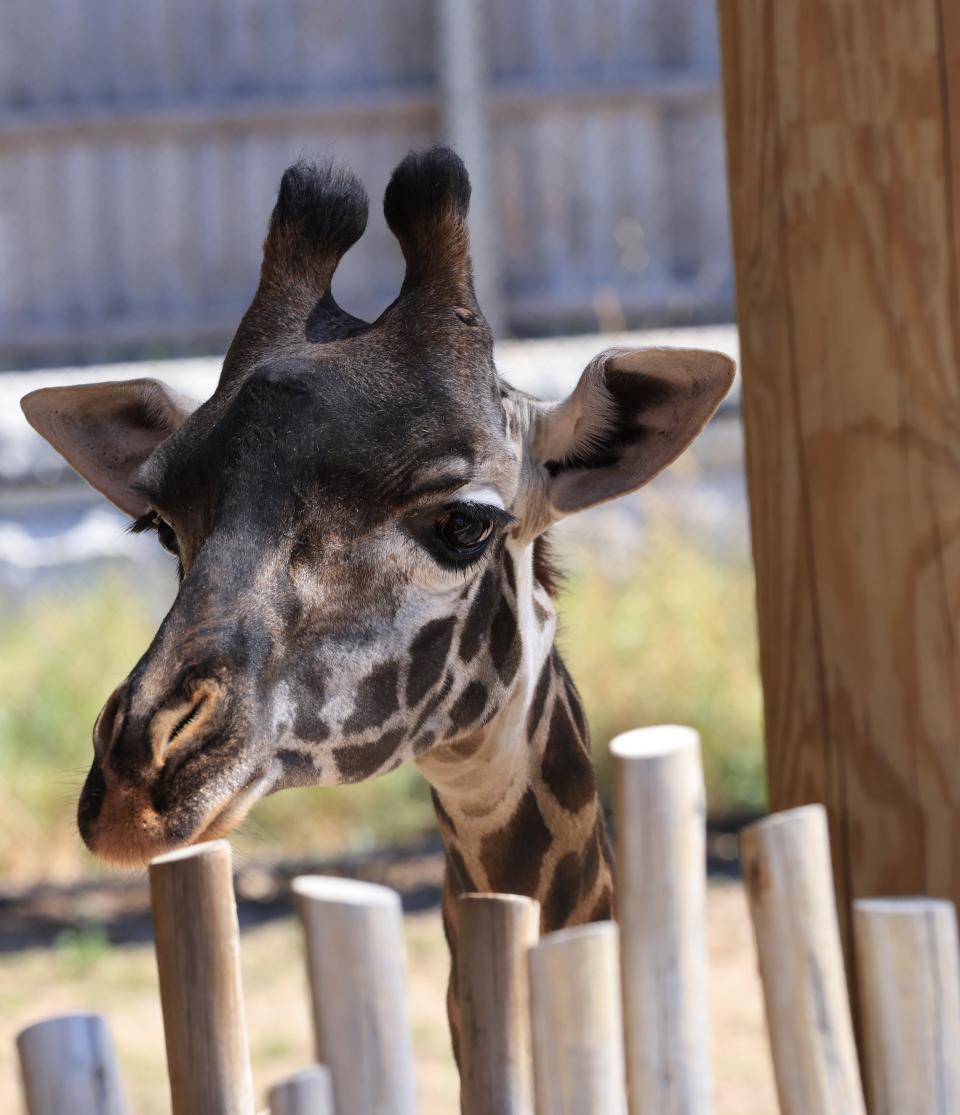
[(359, 513)]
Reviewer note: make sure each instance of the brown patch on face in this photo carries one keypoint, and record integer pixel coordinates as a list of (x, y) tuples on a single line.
[(439, 696), (428, 656), (512, 857), (358, 761), (376, 698), (505, 642), (474, 630), (469, 705)]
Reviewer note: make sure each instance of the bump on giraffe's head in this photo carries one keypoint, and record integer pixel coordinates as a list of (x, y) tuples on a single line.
[(352, 510)]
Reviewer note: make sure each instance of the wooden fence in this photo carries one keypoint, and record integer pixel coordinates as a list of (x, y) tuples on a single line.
[(141, 143), (593, 1020)]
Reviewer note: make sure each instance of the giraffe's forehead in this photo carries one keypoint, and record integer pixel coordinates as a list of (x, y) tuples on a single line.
[(367, 441)]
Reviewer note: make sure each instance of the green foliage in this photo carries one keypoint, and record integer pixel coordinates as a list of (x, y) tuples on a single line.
[(78, 950), (664, 634), (669, 637)]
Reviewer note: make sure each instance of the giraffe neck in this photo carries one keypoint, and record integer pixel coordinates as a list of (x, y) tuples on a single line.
[(516, 801), (518, 809)]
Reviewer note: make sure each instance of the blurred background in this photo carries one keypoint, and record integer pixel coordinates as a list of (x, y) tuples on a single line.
[(141, 144)]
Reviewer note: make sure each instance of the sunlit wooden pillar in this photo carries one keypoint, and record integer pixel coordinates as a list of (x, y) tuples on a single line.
[(843, 143)]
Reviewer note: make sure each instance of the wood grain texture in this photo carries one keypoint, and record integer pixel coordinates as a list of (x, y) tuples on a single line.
[(306, 1093), (197, 942), (786, 869), (842, 139), (909, 981), (68, 1065), (495, 933), (660, 812), (576, 1021), (355, 956)]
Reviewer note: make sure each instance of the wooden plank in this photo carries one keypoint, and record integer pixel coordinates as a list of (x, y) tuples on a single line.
[(909, 967), (305, 1093), (68, 1065), (844, 231), (354, 939), (495, 933), (660, 813), (197, 942), (786, 868), (576, 1022)]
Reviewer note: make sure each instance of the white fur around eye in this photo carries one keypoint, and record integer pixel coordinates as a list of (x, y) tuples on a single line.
[(485, 496)]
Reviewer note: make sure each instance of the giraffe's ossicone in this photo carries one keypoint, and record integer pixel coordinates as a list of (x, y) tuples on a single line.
[(358, 512)]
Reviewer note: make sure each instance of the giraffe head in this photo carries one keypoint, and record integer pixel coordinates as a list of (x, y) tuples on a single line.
[(354, 511)]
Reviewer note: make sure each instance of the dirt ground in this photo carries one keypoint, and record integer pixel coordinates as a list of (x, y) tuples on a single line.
[(121, 981)]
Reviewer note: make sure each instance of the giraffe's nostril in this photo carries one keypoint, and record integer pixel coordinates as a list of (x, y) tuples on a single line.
[(108, 724), (184, 722), (175, 726)]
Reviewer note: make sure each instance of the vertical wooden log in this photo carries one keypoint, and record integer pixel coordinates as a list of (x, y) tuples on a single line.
[(786, 867), (463, 88), (659, 808), (68, 1065), (197, 941), (495, 933), (577, 1022), (909, 983), (841, 128), (306, 1093), (354, 939)]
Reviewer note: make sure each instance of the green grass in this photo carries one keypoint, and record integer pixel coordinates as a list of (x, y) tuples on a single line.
[(667, 638)]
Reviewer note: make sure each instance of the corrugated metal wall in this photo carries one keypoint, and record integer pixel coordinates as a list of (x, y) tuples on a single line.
[(141, 142)]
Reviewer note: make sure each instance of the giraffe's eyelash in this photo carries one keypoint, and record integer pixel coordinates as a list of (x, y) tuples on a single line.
[(150, 521)]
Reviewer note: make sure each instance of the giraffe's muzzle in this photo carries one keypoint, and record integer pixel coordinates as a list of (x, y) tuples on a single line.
[(167, 775)]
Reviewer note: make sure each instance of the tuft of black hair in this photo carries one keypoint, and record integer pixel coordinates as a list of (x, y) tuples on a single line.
[(426, 204), (321, 211)]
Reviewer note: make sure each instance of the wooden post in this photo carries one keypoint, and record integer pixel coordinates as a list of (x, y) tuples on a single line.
[(495, 933), (463, 88), (354, 939), (577, 1022), (786, 868), (197, 941), (661, 905), (843, 148), (68, 1065), (909, 981), (306, 1093)]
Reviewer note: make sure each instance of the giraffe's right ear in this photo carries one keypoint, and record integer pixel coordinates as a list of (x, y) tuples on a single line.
[(107, 430)]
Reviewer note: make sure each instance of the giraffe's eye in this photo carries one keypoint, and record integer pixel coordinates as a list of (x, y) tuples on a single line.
[(465, 530), (168, 537)]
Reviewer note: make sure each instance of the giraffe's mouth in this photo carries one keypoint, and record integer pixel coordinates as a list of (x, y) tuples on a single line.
[(233, 813), (122, 825)]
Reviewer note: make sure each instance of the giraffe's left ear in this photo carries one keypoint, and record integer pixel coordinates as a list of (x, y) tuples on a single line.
[(633, 412)]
